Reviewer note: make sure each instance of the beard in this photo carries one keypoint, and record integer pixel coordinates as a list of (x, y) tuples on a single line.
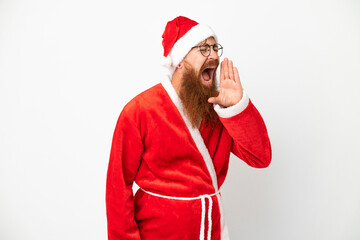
[(194, 95)]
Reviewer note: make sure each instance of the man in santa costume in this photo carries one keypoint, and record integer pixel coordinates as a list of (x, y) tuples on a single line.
[(174, 140)]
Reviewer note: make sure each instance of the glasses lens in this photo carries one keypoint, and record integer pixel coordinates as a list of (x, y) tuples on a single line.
[(205, 50), (218, 48)]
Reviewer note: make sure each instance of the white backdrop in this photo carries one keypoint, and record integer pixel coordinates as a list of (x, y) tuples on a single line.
[(68, 67)]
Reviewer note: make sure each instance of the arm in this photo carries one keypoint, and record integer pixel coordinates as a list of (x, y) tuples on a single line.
[(124, 161), (250, 140)]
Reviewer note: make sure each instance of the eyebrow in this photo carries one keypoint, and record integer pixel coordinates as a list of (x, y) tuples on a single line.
[(201, 43)]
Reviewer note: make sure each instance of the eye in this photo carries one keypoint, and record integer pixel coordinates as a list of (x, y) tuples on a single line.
[(204, 48), (216, 47)]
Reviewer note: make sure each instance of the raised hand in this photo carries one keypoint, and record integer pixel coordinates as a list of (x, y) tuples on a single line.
[(231, 90)]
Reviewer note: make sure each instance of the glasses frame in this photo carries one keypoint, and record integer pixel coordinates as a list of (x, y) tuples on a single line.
[(209, 47)]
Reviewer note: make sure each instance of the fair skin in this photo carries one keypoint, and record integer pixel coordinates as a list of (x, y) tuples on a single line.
[(231, 90)]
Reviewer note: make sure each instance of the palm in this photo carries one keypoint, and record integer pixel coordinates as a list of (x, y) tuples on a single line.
[(230, 86)]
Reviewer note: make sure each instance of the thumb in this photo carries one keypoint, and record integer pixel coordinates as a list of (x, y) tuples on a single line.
[(213, 100)]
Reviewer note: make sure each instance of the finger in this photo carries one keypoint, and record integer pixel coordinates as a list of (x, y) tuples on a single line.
[(222, 71), (237, 76), (231, 70), (226, 69)]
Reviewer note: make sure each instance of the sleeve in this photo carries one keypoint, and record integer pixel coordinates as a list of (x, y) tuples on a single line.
[(125, 156), (250, 140)]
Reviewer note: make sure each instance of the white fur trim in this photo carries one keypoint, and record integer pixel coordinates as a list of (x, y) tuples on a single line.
[(166, 61), (196, 34), (233, 110)]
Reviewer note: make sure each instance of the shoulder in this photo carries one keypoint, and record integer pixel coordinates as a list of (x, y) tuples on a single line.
[(145, 101), (141, 111)]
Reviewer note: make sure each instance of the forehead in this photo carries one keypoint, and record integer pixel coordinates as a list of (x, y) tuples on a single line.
[(209, 40)]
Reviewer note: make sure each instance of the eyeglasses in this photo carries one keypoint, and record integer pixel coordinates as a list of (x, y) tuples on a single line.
[(205, 49)]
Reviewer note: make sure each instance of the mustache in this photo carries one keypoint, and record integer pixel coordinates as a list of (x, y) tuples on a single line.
[(210, 64)]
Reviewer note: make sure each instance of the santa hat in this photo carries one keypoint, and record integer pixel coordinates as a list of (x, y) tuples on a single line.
[(180, 35)]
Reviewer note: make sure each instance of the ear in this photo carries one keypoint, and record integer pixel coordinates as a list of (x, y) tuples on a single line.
[(180, 65)]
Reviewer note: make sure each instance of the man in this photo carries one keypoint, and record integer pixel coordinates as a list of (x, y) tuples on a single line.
[(174, 140)]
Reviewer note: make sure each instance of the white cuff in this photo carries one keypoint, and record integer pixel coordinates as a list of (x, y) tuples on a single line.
[(227, 112)]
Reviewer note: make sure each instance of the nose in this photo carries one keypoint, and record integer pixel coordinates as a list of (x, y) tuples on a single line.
[(213, 54)]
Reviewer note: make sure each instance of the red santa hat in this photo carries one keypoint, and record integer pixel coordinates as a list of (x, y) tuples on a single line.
[(180, 35)]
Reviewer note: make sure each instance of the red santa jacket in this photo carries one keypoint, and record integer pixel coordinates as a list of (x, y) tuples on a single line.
[(155, 146)]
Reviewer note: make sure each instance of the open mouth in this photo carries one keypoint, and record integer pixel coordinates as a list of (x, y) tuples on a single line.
[(208, 75)]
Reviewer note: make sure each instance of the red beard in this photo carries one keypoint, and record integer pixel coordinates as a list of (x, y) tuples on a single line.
[(194, 95)]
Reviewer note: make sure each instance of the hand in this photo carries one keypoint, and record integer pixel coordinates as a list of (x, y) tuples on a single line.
[(231, 90)]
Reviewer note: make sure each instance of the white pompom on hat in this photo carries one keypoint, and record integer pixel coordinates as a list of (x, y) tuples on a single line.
[(180, 35)]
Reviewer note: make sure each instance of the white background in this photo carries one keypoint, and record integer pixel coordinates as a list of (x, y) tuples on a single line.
[(68, 67)]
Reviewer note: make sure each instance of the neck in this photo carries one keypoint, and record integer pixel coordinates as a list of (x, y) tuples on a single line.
[(176, 81)]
